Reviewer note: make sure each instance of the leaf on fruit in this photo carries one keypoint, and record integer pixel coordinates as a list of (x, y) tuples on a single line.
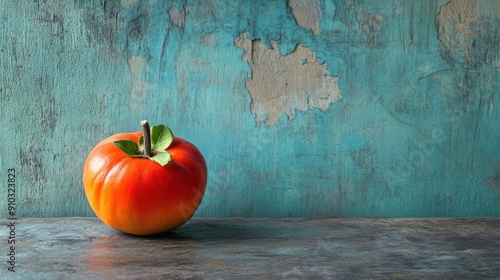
[(162, 157), (161, 137), (129, 147), (141, 144)]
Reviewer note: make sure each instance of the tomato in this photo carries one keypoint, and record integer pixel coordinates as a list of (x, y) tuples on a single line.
[(137, 195)]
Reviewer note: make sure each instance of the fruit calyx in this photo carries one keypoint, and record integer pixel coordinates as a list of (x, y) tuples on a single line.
[(152, 144)]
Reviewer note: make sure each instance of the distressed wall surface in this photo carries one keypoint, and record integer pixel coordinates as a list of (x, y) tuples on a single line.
[(334, 108)]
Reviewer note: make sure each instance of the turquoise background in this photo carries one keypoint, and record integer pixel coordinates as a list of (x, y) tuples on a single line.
[(416, 132)]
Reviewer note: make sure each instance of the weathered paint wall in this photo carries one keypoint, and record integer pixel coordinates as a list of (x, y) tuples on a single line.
[(334, 108)]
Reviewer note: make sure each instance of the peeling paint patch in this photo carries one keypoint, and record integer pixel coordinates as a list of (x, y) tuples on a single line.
[(307, 14), (282, 84), (465, 36), (138, 88), (178, 16), (207, 40), (454, 24)]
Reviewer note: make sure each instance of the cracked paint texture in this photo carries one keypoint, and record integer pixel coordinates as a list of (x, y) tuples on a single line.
[(282, 84), (301, 108)]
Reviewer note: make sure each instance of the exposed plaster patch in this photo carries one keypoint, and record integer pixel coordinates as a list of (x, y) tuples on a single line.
[(138, 88), (207, 40), (465, 36), (454, 22), (178, 16), (307, 14), (282, 84)]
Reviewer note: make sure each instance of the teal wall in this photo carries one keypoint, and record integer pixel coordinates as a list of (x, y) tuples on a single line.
[(333, 108)]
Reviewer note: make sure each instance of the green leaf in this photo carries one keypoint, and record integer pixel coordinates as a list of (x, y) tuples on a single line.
[(128, 146), (141, 143), (161, 157), (161, 137)]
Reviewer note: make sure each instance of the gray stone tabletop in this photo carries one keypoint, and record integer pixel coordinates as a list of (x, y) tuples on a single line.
[(323, 248)]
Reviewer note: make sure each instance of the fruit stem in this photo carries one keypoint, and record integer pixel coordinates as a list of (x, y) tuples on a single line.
[(146, 131)]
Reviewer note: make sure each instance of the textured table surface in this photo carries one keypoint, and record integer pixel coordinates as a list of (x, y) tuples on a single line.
[(330, 248)]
